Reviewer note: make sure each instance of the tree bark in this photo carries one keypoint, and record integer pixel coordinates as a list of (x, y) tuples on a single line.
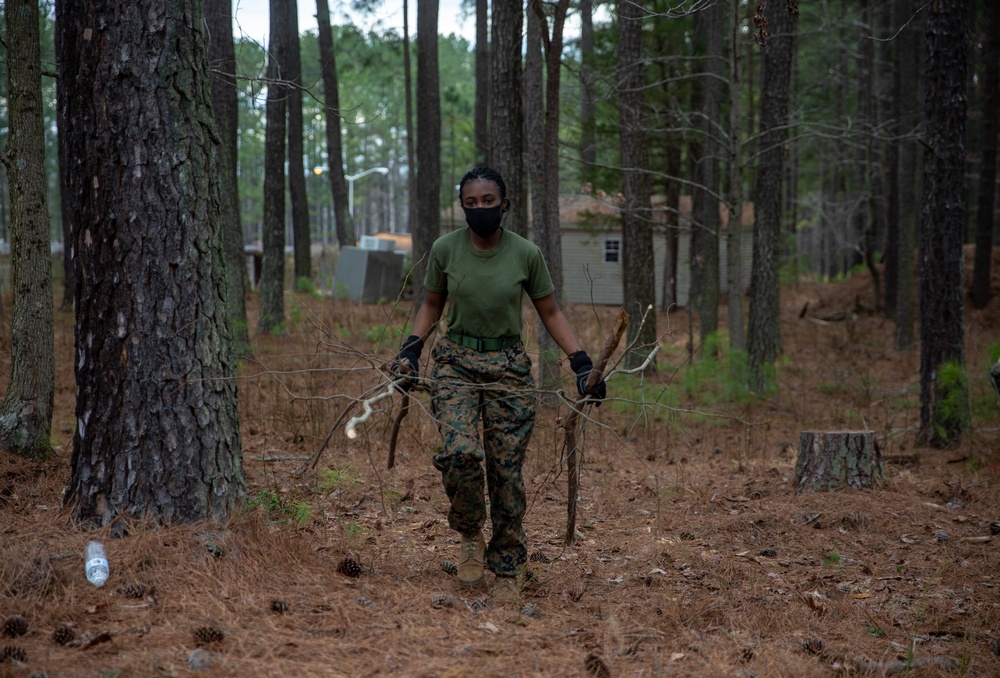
[(908, 74), (944, 405), (482, 130), (734, 242), (829, 460), (868, 182), (222, 61), (411, 156), (272, 265), (534, 97), (764, 329), (334, 143), (638, 264), (890, 108), (26, 413), (301, 237), (65, 204), (507, 109), (705, 224), (157, 430), (542, 94), (588, 115), (428, 226), (990, 121)]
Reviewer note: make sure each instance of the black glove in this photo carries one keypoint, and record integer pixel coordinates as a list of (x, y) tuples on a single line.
[(407, 363), (581, 364)]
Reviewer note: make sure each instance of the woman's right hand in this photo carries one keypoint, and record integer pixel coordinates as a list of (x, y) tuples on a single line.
[(406, 366)]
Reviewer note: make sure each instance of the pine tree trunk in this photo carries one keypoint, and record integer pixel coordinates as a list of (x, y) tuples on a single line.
[(764, 329), (157, 430), (944, 405), (507, 109), (734, 243), (908, 74), (482, 78), (990, 120), (549, 370), (334, 143), (26, 413), (301, 238), (588, 116), (889, 118), (428, 225), (411, 156), (709, 31), (272, 266), (638, 264), (829, 460), (65, 204), (222, 58)]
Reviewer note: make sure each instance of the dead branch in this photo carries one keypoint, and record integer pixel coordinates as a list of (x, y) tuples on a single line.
[(572, 468)]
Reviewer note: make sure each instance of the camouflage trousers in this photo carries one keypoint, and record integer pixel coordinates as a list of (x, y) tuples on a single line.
[(484, 406)]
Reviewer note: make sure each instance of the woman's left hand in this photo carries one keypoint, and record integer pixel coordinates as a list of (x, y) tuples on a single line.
[(582, 365)]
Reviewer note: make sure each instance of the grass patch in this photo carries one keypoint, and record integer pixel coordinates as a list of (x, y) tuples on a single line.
[(718, 375), (337, 478), (280, 510)]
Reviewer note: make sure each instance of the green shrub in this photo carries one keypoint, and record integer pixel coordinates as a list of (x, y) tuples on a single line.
[(304, 284), (717, 374), (951, 409)]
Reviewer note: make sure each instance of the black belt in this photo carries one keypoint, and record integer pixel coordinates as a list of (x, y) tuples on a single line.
[(484, 343)]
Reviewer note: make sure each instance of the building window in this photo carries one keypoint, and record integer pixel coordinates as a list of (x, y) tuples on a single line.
[(612, 250)]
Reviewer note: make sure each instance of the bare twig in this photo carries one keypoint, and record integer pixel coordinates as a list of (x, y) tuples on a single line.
[(572, 468)]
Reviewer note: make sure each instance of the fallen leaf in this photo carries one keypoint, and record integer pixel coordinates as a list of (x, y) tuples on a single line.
[(816, 601), (677, 656), (860, 596), (489, 626)]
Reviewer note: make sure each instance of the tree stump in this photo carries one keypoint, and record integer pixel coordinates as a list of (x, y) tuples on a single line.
[(829, 459)]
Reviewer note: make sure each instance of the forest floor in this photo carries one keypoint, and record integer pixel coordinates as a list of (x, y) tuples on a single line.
[(694, 556)]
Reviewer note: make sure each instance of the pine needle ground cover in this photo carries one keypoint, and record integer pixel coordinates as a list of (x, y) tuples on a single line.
[(694, 556)]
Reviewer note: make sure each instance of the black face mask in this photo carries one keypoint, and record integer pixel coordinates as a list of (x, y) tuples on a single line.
[(484, 221)]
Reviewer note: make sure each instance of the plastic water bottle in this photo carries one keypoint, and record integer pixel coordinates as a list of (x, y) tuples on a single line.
[(96, 563)]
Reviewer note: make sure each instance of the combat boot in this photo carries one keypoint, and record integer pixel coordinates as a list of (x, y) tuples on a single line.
[(470, 562), (506, 591)]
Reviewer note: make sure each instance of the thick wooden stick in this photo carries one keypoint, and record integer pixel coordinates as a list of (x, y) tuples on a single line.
[(572, 466)]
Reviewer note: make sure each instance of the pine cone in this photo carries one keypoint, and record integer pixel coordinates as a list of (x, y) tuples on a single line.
[(64, 635), (12, 653), (279, 606), (349, 567), (539, 557), (14, 626), (137, 591), (442, 600), (596, 666), (206, 635), (449, 567)]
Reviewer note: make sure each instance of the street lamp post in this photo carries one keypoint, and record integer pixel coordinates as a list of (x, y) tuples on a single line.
[(350, 185)]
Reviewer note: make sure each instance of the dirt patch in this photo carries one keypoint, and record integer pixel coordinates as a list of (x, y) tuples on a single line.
[(694, 555)]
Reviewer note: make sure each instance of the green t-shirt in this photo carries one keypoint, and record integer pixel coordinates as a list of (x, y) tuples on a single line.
[(485, 289)]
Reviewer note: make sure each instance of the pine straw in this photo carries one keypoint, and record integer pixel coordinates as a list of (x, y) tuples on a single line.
[(696, 557)]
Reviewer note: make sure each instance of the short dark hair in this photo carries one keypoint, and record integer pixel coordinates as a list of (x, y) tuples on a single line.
[(487, 173)]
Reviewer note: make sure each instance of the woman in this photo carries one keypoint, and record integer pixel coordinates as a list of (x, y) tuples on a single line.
[(482, 373)]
